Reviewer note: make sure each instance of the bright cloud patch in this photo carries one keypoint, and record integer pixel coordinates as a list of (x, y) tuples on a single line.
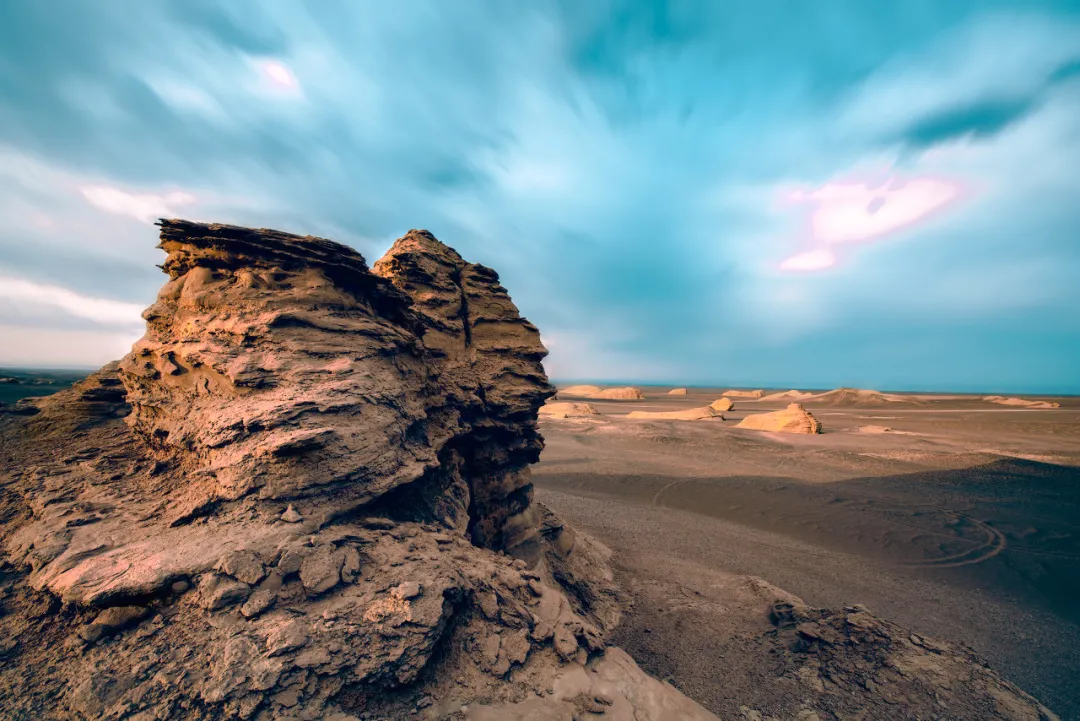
[(860, 212), (817, 259), (853, 212), (146, 207), (28, 294)]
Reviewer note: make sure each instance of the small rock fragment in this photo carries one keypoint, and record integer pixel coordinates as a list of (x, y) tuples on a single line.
[(291, 515)]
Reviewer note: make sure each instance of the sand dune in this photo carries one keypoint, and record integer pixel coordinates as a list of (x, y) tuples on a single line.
[(566, 409), (743, 394), (1001, 400), (793, 419), (690, 414)]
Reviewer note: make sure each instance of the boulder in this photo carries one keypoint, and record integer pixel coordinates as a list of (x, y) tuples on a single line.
[(793, 419), (722, 404)]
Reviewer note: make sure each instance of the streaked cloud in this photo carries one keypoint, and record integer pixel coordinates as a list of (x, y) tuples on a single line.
[(146, 207), (27, 296)]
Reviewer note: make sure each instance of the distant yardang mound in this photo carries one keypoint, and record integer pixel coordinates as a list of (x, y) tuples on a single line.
[(856, 397), (793, 419), (320, 492), (677, 392), (722, 404), (690, 414), (743, 394), (597, 393), (562, 409), (787, 396), (1001, 400)]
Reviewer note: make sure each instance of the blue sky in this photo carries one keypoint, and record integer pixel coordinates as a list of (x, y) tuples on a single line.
[(719, 193)]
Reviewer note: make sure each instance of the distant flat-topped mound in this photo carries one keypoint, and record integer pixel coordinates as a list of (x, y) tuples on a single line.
[(791, 395), (722, 404), (856, 397), (566, 409), (627, 393), (677, 392), (793, 419), (1020, 402), (690, 414), (743, 394)]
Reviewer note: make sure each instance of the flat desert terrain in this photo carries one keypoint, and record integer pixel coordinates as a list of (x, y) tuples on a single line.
[(961, 521)]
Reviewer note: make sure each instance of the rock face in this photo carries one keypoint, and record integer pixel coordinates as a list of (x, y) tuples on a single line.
[(627, 393), (690, 414), (307, 484), (722, 404), (677, 392), (566, 409), (1021, 402), (793, 419), (743, 394)]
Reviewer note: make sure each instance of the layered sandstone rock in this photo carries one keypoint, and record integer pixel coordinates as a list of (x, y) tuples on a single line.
[(722, 404), (689, 414), (566, 409), (306, 485), (743, 394), (793, 419)]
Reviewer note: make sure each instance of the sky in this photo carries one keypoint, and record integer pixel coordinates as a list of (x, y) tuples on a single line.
[(776, 194)]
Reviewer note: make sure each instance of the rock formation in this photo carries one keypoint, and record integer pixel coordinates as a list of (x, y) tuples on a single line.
[(743, 394), (305, 493), (722, 404), (1021, 402), (566, 409), (677, 392), (627, 393), (793, 419), (690, 414)]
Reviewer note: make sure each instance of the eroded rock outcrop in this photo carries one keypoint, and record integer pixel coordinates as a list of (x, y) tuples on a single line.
[(677, 392), (792, 395), (305, 492), (793, 419)]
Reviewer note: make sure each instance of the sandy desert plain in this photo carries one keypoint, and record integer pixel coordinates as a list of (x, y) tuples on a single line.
[(961, 521)]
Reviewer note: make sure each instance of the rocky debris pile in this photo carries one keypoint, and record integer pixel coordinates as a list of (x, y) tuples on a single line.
[(743, 394), (689, 414), (722, 404), (791, 395), (793, 419), (677, 392), (305, 493), (566, 409), (627, 393), (852, 664), (1021, 402)]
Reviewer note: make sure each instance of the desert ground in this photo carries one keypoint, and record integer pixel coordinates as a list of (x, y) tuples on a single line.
[(961, 521)]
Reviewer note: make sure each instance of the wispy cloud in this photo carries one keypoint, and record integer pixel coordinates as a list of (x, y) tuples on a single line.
[(146, 207), (30, 297)]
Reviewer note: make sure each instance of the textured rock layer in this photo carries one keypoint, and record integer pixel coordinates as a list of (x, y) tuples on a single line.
[(793, 419)]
